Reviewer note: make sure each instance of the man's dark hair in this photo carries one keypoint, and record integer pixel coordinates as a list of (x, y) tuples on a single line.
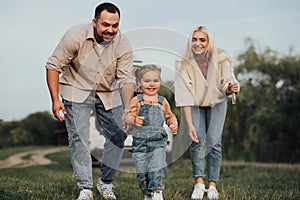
[(109, 7)]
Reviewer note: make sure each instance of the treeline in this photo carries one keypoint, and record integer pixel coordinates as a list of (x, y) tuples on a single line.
[(263, 126), (36, 129)]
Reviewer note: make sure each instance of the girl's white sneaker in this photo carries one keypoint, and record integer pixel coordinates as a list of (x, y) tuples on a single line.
[(147, 197), (157, 195)]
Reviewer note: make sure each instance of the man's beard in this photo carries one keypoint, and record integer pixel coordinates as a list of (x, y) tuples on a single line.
[(107, 41), (101, 40)]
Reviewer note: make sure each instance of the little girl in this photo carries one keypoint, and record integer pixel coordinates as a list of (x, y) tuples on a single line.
[(147, 114)]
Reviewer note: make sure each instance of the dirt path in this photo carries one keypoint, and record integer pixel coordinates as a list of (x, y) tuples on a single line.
[(36, 157)]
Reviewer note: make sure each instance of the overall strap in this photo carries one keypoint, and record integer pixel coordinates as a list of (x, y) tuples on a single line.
[(140, 98), (161, 100)]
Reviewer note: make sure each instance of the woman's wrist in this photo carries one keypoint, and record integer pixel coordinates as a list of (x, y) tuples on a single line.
[(228, 92)]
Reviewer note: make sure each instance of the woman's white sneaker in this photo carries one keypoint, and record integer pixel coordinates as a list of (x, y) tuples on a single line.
[(212, 193), (198, 192)]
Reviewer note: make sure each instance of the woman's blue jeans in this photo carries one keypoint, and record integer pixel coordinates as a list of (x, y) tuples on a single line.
[(208, 122), (78, 125)]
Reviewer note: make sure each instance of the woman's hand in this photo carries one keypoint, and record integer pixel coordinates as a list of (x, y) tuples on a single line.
[(193, 134), (232, 88)]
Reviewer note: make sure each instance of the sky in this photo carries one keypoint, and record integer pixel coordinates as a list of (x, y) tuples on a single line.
[(157, 29)]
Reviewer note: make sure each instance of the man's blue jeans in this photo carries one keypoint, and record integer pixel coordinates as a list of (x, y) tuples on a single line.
[(78, 125)]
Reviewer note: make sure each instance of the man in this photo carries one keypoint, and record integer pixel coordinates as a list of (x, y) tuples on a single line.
[(95, 63)]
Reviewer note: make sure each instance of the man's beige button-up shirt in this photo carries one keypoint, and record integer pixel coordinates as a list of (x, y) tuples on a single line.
[(84, 68)]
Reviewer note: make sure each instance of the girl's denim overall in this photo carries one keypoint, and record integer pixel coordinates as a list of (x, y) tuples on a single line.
[(149, 147)]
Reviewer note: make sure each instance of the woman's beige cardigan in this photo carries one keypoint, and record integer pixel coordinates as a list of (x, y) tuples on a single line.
[(191, 87)]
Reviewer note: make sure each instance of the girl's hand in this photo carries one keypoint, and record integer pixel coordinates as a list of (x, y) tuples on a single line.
[(174, 128), (139, 120), (193, 134)]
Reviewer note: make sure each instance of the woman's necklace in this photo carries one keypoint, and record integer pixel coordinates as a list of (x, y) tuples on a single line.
[(203, 65)]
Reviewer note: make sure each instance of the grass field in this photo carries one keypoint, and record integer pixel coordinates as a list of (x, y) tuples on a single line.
[(238, 181)]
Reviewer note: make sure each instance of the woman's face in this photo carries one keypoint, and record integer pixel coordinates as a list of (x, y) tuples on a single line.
[(150, 83), (199, 42)]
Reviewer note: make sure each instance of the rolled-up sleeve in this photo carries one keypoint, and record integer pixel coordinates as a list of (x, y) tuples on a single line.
[(170, 117), (63, 53)]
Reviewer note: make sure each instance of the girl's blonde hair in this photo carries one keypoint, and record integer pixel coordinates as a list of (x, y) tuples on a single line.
[(141, 71)]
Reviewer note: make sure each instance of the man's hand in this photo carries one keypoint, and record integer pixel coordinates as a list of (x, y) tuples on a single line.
[(174, 128), (58, 106)]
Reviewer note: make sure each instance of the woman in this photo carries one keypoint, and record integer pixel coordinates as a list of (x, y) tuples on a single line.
[(201, 89)]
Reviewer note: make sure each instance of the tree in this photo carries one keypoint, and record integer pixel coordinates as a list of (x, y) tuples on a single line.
[(36, 129), (264, 125), (41, 126)]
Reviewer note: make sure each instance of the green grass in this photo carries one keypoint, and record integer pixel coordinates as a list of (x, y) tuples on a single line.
[(238, 181)]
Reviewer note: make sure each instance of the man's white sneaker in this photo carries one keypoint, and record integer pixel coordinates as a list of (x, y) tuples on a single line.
[(198, 192), (106, 190), (85, 194), (157, 195), (212, 193)]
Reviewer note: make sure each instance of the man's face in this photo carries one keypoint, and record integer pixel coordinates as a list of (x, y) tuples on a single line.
[(106, 25), (199, 42)]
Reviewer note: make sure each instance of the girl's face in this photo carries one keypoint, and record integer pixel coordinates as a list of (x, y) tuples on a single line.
[(199, 42), (150, 83)]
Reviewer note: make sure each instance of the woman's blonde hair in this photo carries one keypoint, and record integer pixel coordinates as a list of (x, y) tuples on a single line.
[(211, 51)]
